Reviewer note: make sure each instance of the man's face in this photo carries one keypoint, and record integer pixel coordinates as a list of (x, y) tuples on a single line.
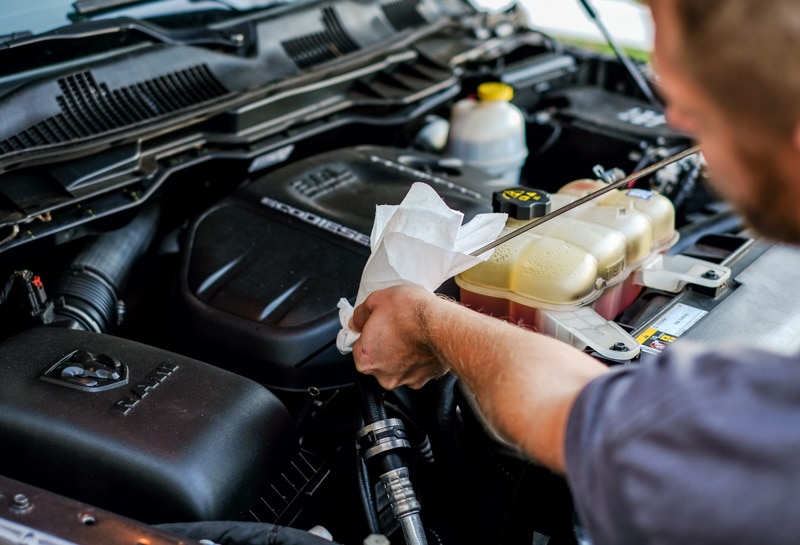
[(746, 169)]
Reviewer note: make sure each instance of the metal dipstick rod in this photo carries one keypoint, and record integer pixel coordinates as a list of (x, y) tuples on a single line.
[(586, 198)]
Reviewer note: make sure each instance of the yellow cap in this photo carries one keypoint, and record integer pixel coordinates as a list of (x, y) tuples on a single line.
[(494, 90)]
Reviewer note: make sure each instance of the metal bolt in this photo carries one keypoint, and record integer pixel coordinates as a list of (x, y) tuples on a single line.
[(711, 274), (20, 503), (314, 393), (619, 346), (237, 38)]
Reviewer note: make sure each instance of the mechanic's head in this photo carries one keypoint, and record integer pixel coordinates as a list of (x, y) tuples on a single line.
[(728, 70)]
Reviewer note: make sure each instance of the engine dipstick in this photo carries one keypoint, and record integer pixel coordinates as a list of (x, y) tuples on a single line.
[(586, 198)]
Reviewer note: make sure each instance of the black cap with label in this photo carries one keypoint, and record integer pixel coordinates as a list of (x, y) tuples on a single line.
[(521, 203)]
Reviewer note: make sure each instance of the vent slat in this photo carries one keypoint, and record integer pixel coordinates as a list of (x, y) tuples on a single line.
[(162, 96), (80, 125), (16, 143), (202, 73), (39, 137), (193, 93), (55, 129), (133, 103), (341, 39), (403, 14), (106, 103), (309, 50), (75, 99), (66, 127), (318, 47), (89, 101), (121, 112), (89, 108)]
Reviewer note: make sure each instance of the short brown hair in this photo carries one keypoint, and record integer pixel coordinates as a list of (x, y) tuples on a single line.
[(746, 55)]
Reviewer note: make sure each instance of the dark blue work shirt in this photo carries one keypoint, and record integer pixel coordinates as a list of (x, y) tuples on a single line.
[(701, 445)]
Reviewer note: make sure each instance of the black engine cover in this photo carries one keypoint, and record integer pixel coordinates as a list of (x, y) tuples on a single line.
[(143, 432), (263, 271)]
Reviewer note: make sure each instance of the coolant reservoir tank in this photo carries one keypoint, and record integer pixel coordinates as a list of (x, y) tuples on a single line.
[(489, 133), (573, 268), (658, 211), (564, 261)]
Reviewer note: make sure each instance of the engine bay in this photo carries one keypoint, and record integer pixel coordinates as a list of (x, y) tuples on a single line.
[(181, 213)]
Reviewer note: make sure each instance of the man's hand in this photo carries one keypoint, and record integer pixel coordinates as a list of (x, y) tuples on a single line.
[(394, 345), (525, 382)]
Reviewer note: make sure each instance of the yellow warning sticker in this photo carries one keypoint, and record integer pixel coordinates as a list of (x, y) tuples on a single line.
[(667, 328), (645, 335)]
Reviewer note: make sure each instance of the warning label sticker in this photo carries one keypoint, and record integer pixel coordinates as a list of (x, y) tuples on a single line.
[(669, 327)]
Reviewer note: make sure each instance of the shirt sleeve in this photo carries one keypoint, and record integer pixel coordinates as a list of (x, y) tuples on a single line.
[(698, 446)]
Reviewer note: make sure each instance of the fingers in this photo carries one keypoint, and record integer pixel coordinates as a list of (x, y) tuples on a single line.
[(394, 300), (416, 380), (393, 374), (388, 348), (390, 381), (360, 316)]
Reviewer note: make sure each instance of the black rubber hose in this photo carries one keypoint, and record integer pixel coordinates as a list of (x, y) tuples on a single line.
[(372, 406), (113, 254), (86, 300), (367, 497), (447, 419), (87, 293), (374, 410)]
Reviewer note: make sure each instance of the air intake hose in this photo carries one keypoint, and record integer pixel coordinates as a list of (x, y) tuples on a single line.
[(86, 295)]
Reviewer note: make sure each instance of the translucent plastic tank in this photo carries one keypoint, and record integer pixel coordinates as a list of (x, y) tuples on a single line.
[(489, 133), (581, 259), (656, 209)]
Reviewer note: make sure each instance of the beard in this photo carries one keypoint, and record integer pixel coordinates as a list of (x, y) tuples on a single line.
[(769, 211)]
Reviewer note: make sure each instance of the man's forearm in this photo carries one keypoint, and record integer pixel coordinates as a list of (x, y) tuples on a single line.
[(526, 383)]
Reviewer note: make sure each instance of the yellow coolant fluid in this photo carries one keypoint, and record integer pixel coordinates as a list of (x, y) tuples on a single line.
[(489, 132), (583, 258)]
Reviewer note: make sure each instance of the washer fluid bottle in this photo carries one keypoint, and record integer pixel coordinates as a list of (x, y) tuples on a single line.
[(489, 133)]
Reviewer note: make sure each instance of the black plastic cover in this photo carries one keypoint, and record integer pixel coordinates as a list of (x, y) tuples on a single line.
[(175, 439), (263, 271)]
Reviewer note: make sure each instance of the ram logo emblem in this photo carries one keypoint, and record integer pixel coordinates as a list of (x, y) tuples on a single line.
[(87, 371)]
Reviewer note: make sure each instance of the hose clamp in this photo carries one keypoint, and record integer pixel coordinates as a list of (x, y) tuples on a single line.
[(382, 436)]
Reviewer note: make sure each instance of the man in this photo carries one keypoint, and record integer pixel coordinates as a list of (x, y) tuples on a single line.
[(703, 446)]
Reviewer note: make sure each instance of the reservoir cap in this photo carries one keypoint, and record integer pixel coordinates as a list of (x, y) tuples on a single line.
[(521, 203), (494, 90)]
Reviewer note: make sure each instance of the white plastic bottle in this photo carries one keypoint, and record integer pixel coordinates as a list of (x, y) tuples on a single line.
[(489, 133)]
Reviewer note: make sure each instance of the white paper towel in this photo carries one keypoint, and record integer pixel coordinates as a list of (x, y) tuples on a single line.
[(420, 241)]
